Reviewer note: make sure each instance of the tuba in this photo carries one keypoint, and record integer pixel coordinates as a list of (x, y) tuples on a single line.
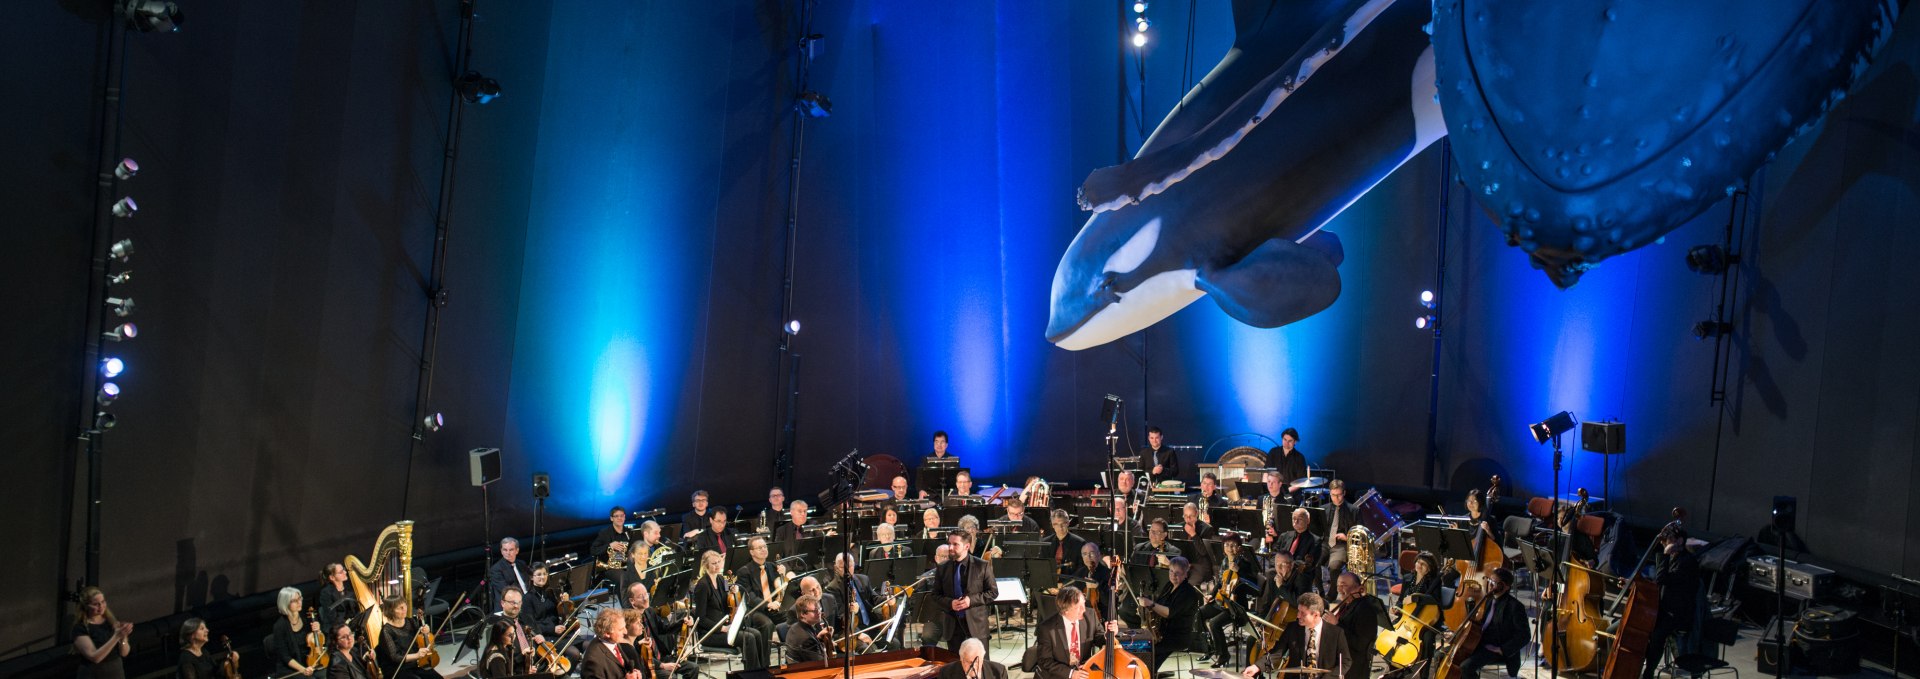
[(1038, 493), (1359, 549), (387, 573)]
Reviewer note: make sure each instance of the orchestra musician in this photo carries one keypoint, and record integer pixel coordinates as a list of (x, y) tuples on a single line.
[(973, 664), (513, 614), (503, 657), (807, 637), (344, 661), (1217, 616), (1156, 544), (1505, 632), (929, 522), (335, 602), (640, 553), (1123, 513), (397, 650), (1677, 572), (100, 639), (1305, 548), (1209, 494), (718, 536), (603, 659), (791, 532), (1127, 486), (1425, 589), (1096, 569), (1164, 461), (1359, 616), (776, 511), (1279, 588), (829, 608), (883, 533), (1286, 459), (695, 520), (1198, 531), (964, 589), (899, 488), (758, 581), (711, 608), (856, 595), (939, 452), (1340, 519), (508, 571), (287, 645), (1068, 638), (1066, 546), (890, 516), (1176, 605), (1017, 511), (611, 539), (196, 660), (540, 610), (657, 632), (1309, 642), (962, 485)]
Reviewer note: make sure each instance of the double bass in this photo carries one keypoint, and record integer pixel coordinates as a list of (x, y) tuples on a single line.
[(1466, 640), (1475, 571), (1629, 651), (1114, 662)]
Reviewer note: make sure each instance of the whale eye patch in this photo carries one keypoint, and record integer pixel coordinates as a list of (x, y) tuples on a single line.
[(1135, 250)]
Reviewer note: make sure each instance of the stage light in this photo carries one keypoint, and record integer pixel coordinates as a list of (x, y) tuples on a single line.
[(814, 104), (1141, 24), (121, 307), (1709, 259), (1424, 322), (791, 328), (125, 207), (1139, 40), (123, 331), (102, 421), (119, 278), (153, 16), (1711, 329), (108, 392), (122, 250), (434, 422), (112, 366), (1553, 426), (477, 89), (1139, 8), (126, 169)]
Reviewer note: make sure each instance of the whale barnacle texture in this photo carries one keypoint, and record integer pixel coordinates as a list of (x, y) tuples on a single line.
[(1587, 129)]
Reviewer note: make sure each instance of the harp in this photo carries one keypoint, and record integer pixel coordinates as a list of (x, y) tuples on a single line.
[(388, 573)]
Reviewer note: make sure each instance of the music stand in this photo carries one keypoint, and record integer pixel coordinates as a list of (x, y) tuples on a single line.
[(896, 570), (1445, 542), (936, 475)]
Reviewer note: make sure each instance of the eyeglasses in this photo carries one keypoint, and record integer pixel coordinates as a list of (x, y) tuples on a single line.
[(809, 611)]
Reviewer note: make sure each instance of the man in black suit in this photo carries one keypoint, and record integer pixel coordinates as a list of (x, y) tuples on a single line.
[(509, 571), (1677, 572), (1163, 462), (807, 637), (718, 537), (1067, 639), (695, 520), (1360, 617), (789, 534), (1177, 606), (612, 539), (603, 659), (1306, 550), (1506, 632), (963, 589), (760, 587), (1198, 533), (1308, 642), (973, 664), (1340, 519), (1065, 545), (855, 594)]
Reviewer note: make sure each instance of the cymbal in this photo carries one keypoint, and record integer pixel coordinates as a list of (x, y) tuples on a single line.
[(1309, 482)]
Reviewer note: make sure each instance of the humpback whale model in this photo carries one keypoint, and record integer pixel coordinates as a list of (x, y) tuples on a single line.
[(1586, 127)]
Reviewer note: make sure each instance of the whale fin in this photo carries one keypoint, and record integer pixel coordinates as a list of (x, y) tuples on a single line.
[(1327, 243), (1278, 283)]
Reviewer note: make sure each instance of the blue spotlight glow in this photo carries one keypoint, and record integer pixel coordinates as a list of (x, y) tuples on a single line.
[(112, 366)]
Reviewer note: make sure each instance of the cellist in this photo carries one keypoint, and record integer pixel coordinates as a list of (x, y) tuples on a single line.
[(1504, 632)]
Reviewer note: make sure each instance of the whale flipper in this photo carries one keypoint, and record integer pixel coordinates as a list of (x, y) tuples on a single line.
[(1278, 283)]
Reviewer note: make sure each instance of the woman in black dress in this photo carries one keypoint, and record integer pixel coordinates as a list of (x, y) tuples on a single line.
[(335, 602), (99, 638), (196, 660), (288, 644), (397, 652), (503, 658)]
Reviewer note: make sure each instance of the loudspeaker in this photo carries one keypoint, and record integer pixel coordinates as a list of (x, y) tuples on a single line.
[(541, 487), (1606, 438), (1768, 653), (483, 465), (1784, 509)]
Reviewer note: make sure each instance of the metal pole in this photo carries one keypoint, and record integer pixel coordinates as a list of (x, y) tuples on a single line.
[(1439, 294)]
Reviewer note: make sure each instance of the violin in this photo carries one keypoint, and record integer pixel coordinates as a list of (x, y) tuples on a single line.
[(317, 655), (549, 655), (229, 667), (423, 641), (371, 664)]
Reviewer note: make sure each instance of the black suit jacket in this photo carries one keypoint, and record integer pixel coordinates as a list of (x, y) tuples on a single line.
[(1051, 659), (977, 587), (786, 541), (1508, 629), (1067, 549), (600, 662), (1361, 621), (803, 644), (749, 575), (838, 590), (500, 577), (710, 541), (1333, 648), (1169, 461), (988, 670)]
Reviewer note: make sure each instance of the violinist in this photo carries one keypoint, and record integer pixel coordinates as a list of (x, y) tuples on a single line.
[(335, 602), (807, 638), (1066, 639), (1066, 546), (1360, 617), (713, 604), (657, 633), (1176, 605), (1096, 569), (540, 609), (718, 537), (196, 660), (1305, 548), (1677, 572), (1504, 631), (1218, 615), (604, 660), (288, 644), (883, 533), (855, 594), (344, 660), (612, 539), (503, 657), (514, 615), (398, 651), (759, 582)]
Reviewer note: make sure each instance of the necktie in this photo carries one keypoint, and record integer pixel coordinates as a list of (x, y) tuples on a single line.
[(1073, 643), (958, 589), (1313, 646), (520, 635), (858, 601)]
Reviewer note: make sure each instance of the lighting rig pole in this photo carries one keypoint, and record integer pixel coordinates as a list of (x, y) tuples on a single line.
[(1431, 299), (806, 104)]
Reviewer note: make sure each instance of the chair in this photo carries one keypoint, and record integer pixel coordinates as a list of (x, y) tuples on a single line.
[(1541, 509), (727, 657)]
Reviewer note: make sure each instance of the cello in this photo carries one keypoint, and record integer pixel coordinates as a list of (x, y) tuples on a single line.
[(1400, 646), (1642, 600), (1486, 557), (1466, 640)]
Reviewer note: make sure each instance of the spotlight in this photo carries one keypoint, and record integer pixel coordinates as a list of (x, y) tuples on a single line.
[(815, 104), (1141, 24), (1711, 329), (112, 366), (1424, 322), (792, 327), (476, 88), (108, 392), (434, 422), (126, 169), (123, 331), (1426, 298), (1709, 259), (1139, 8), (1139, 40), (153, 16), (1553, 426), (122, 250), (119, 278), (102, 421), (125, 207), (121, 307)]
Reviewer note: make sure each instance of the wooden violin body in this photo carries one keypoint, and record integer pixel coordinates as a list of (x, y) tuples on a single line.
[(229, 668), (423, 641), (316, 644)]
